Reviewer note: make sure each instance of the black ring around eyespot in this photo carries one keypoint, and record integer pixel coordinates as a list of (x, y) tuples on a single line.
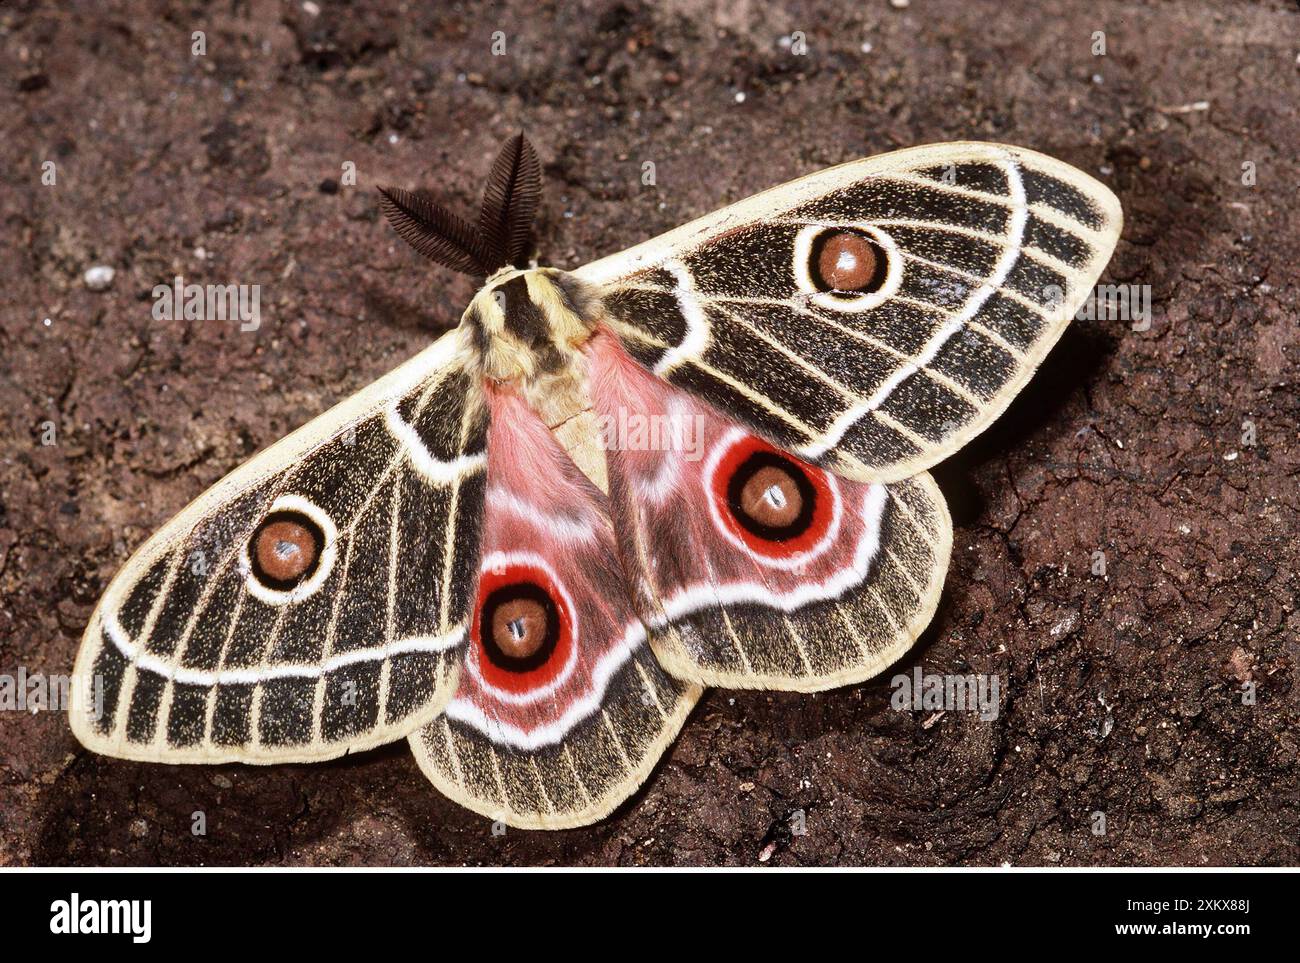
[(877, 280), (510, 593), (318, 542), (773, 533)]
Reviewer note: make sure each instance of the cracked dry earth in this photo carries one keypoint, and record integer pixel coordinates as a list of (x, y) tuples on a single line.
[(1121, 693)]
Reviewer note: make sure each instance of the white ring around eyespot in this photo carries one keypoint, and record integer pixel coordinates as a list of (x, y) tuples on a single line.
[(845, 301), (503, 559), (732, 438), (324, 565)]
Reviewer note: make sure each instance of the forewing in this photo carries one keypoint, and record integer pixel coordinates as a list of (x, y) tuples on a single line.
[(197, 653), (985, 253)]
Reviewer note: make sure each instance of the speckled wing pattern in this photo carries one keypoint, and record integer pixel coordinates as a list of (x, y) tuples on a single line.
[(196, 654), (986, 252)]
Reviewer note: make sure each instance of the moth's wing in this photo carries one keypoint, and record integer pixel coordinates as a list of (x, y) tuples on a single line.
[(199, 653), (820, 583), (557, 730), (987, 253)]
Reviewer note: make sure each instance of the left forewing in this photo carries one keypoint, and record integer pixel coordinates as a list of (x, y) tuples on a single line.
[(971, 260)]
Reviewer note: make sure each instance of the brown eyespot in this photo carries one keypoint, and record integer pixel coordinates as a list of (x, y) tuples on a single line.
[(285, 549), (520, 626), (848, 262), (771, 497)]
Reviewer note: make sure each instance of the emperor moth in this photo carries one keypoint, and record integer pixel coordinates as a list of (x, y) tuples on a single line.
[(458, 555)]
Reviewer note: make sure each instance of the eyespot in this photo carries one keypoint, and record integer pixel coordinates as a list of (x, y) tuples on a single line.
[(520, 626), (523, 628), (847, 262), (286, 549), (846, 267), (771, 497), (779, 509), (291, 552)]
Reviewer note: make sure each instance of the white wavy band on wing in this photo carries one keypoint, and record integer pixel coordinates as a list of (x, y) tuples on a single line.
[(434, 469), (142, 659), (564, 528), (697, 324), (701, 595), (1019, 218), (549, 733)]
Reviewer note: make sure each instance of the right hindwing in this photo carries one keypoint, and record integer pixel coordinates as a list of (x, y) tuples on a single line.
[(752, 568)]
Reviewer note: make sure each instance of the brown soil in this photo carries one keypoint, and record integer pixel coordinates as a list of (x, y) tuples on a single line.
[(1122, 693)]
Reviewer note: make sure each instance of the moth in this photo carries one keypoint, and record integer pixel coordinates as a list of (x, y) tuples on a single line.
[(699, 462)]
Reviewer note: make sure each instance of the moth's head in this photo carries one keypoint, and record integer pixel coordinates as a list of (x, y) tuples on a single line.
[(530, 322)]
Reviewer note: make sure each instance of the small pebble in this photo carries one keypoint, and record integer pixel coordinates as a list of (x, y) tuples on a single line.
[(99, 277)]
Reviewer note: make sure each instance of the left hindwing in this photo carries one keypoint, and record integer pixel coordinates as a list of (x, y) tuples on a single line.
[(752, 568), (311, 603), (873, 317)]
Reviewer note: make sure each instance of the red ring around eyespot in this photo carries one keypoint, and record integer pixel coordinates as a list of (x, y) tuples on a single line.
[(732, 460), (516, 682)]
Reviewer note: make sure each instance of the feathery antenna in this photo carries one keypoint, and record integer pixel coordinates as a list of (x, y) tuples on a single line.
[(502, 234)]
